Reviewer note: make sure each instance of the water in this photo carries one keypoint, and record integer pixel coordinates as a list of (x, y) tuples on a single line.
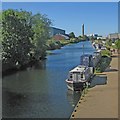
[(41, 92)]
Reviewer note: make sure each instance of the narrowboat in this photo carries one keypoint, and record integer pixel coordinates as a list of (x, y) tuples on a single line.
[(78, 77)]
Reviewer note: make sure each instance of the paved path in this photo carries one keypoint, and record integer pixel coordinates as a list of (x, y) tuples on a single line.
[(101, 101)]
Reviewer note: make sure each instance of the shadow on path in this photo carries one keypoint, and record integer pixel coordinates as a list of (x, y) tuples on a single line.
[(111, 70), (98, 80)]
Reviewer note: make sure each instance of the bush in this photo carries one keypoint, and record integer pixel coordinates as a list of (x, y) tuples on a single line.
[(117, 44), (104, 63), (106, 53), (53, 44)]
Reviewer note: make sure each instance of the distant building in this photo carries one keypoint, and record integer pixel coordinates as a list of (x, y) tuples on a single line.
[(102, 38), (93, 35), (114, 36), (54, 31), (60, 37)]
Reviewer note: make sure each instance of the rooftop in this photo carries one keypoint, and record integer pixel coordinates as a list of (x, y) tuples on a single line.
[(79, 68), (57, 28)]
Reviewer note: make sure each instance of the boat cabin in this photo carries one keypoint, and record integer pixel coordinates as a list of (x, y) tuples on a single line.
[(80, 74), (86, 60)]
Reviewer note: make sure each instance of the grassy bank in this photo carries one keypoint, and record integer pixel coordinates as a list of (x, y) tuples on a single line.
[(57, 44)]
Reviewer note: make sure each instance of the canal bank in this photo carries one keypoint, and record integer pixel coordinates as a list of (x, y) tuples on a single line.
[(9, 69), (101, 101)]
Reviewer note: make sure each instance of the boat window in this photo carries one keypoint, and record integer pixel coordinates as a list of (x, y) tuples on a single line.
[(70, 75), (82, 75)]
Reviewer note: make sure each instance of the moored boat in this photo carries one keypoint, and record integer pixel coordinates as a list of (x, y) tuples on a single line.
[(78, 77)]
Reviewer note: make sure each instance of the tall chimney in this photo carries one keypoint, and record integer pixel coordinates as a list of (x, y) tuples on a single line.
[(82, 29)]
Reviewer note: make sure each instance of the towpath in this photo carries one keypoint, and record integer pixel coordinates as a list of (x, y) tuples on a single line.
[(101, 101)]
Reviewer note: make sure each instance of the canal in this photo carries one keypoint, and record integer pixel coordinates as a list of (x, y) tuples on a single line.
[(41, 91)]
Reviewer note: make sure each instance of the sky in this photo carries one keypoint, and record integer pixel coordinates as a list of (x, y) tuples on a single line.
[(98, 17)]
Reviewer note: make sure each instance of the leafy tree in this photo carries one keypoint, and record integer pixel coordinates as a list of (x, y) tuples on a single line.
[(80, 37), (16, 37), (40, 25), (117, 43), (92, 38), (72, 35), (24, 35), (85, 37), (109, 43)]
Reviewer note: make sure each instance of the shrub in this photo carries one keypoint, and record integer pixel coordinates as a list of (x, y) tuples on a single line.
[(106, 53)]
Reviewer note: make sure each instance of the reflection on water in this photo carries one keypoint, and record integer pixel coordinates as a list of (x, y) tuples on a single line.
[(41, 91), (73, 97), (39, 65)]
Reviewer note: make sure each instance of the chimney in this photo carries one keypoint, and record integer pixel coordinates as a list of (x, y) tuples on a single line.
[(82, 29)]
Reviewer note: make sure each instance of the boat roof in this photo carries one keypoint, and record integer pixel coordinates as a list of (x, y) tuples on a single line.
[(80, 68), (86, 55), (98, 51)]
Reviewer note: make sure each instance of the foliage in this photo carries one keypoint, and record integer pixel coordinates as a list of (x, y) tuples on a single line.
[(53, 44), (17, 34), (23, 36), (80, 37), (72, 35), (74, 40), (91, 38), (108, 43), (40, 25), (106, 53), (104, 63), (117, 44), (85, 37)]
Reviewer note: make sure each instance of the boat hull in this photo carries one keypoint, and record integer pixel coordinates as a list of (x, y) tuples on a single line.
[(75, 86)]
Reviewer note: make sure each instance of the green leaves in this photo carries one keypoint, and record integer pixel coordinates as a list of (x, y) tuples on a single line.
[(104, 63), (117, 43), (72, 35), (106, 53), (23, 34), (17, 34), (109, 43), (40, 25)]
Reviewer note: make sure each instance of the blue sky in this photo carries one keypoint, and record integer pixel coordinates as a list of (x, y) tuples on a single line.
[(98, 17)]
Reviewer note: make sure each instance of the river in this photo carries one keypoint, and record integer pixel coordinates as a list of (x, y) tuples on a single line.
[(41, 92)]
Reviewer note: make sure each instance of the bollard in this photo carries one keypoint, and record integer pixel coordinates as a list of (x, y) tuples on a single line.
[(72, 115), (81, 98)]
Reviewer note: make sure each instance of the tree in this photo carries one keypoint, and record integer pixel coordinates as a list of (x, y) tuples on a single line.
[(40, 25), (17, 34), (85, 37), (24, 36), (92, 38), (109, 43), (117, 44), (72, 35)]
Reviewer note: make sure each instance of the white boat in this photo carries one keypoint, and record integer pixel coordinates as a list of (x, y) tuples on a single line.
[(78, 77)]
